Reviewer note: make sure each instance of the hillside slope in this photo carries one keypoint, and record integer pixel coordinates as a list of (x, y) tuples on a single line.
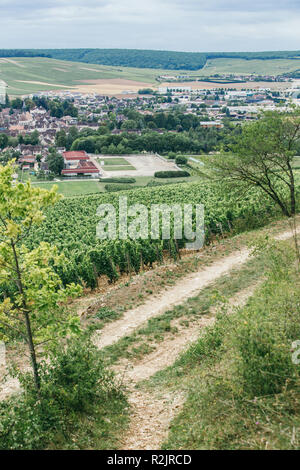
[(170, 60)]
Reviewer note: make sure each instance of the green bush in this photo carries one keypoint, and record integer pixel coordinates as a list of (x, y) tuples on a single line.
[(181, 160), (74, 382), (118, 180), (265, 362), (172, 174), (111, 187), (75, 377), (172, 155)]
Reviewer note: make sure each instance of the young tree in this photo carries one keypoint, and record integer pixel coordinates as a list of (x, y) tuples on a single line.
[(31, 293), (55, 162), (262, 156), (3, 141)]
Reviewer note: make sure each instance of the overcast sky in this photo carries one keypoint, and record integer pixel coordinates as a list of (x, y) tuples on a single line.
[(183, 25)]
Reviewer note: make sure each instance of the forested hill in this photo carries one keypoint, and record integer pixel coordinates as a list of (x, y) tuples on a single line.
[(169, 60)]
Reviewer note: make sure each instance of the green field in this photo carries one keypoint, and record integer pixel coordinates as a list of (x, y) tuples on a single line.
[(57, 74), (52, 74), (296, 164), (74, 188), (257, 67), (80, 188), (116, 164), (115, 161), (119, 168)]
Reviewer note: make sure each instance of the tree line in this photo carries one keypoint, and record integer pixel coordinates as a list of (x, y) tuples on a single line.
[(170, 60)]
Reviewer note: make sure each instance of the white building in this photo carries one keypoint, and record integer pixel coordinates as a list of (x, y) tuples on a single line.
[(174, 89)]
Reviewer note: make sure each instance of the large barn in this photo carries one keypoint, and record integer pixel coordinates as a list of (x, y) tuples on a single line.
[(79, 164)]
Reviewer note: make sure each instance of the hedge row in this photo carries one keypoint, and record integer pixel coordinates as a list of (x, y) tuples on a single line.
[(171, 174), (118, 180)]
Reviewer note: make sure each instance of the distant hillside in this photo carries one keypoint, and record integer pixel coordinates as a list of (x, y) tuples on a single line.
[(167, 60)]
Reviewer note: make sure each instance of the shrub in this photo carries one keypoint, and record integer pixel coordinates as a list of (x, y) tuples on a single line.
[(118, 180), (74, 382), (172, 174), (75, 377), (172, 155), (181, 160), (111, 187)]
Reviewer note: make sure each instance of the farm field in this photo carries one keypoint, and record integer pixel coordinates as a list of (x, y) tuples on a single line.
[(81, 188), (257, 67), (115, 164), (29, 75), (297, 163), (115, 161), (73, 188), (70, 225)]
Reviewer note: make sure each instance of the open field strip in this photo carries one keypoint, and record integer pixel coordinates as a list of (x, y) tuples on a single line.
[(30, 75)]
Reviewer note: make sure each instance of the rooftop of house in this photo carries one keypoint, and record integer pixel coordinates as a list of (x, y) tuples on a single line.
[(76, 155)]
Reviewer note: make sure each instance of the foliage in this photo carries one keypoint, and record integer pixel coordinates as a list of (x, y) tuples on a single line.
[(74, 384), (121, 180), (181, 160), (71, 226), (55, 163), (111, 187), (169, 60), (171, 174), (244, 386), (32, 295), (262, 156)]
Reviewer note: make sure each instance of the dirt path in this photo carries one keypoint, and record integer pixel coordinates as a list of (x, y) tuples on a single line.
[(167, 299), (172, 296), (155, 306), (153, 412)]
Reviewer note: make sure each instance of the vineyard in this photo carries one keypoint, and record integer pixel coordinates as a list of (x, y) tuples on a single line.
[(71, 226)]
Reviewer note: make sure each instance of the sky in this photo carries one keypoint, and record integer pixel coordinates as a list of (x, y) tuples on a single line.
[(182, 25)]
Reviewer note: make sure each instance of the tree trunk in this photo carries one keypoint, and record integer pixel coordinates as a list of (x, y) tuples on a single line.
[(32, 353), (293, 200), (25, 312)]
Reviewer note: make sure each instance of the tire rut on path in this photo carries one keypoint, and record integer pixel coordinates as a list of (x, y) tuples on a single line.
[(153, 412), (172, 296)]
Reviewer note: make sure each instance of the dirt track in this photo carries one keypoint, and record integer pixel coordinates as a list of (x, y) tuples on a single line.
[(175, 295), (152, 413)]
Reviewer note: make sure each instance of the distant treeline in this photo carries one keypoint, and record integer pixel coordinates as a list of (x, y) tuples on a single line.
[(169, 60)]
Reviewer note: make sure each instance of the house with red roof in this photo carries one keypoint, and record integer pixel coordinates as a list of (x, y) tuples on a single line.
[(78, 163), (27, 162)]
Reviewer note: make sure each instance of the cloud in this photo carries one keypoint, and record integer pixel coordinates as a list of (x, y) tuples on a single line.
[(196, 25)]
